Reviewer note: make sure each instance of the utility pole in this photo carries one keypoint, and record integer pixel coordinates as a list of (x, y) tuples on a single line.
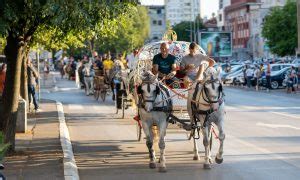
[(298, 22), (191, 26)]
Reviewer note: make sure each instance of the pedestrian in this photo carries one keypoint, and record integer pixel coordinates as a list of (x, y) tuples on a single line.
[(256, 76), (2, 77), (32, 80), (108, 64), (268, 77), (249, 75), (60, 66), (132, 59), (292, 78)]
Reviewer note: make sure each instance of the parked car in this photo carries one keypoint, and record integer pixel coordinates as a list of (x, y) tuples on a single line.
[(277, 78), (296, 62), (234, 69)]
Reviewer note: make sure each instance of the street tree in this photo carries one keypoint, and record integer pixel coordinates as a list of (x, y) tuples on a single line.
[(183, 29), (131, 31), (19, 23), (280, 29)]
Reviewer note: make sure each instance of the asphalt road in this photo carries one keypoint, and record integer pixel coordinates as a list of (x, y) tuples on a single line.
[(262, 139)]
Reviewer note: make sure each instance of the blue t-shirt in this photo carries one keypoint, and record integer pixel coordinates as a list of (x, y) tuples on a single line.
[(164, 64)]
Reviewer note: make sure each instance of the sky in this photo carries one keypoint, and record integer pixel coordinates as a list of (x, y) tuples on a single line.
[(207, 6)]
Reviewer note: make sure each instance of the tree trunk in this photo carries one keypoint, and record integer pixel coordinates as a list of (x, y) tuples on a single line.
[(92, 45), (14, 52), (24, 84)]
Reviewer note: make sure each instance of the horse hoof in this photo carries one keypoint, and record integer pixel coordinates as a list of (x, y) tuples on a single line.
[(162, 169), (218, 161), (206, 166), (152, 165), (196, 158)]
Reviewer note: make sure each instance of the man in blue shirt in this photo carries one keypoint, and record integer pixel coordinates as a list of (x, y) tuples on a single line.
[(164, 63)]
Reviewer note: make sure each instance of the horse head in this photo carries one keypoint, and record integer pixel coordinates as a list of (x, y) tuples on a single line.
[(212, 85), (149, 89)]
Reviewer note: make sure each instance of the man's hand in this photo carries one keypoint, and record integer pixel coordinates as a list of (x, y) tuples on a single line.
[(190, 67), (211, 62), (170, 75)]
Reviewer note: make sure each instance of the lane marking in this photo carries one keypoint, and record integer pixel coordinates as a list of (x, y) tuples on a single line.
[(70, 167), (283, 114), (267, 152), (275, 126)]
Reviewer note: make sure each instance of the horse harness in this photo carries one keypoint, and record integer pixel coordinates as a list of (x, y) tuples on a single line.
[(159, 88)]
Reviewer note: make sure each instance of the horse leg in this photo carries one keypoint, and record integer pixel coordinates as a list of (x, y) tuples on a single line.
[(92, 85), (86, 86), (162, 133), (219, 156), (196, 153), (147, 127), (189, 108), (206, 137)]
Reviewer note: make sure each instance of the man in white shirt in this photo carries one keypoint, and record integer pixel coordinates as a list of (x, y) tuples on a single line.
[(132, 59), (249, 75), (192, 66)]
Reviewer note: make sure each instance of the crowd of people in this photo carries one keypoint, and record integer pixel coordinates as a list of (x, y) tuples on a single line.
[(83, 70)]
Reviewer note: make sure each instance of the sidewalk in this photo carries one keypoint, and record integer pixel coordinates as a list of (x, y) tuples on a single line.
[(38, 152), (39, 155)]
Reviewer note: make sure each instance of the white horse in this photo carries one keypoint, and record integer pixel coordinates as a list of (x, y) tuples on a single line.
[(206, 106), (154, 110), (88, 78)]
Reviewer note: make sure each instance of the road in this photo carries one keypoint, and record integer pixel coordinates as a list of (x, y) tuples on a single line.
[(262, 139)]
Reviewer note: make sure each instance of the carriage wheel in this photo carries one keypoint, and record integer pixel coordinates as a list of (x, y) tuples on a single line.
[(124, 101), (139, 130)]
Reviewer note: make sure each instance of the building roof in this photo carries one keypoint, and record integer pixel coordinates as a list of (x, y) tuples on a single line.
[(237, 6), (211, 23)]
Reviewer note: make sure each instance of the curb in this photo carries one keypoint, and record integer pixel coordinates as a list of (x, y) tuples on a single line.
[(70, 167)]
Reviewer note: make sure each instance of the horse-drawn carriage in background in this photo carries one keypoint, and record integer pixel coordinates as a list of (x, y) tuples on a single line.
[(100, 85)]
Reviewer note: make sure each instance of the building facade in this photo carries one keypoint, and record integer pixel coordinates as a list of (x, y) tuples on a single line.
[(244, 18), (181, 10), (157, 22), (220, 15)]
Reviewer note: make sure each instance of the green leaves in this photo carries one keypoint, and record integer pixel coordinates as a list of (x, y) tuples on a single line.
[(280, 29), (183, 29)]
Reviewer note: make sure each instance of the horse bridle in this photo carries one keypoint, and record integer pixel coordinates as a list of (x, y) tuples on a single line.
[(150, 99), (205, 90)]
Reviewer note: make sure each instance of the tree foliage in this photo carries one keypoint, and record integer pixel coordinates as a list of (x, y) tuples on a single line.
[(55, 24), (280, 29), (130, 32), (183, 29)]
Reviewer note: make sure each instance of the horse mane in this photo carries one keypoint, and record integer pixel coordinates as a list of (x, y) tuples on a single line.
[(210, 73), (148, 76)]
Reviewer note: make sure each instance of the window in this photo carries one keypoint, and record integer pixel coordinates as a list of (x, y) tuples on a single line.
[(220, 17), (159, 23), (154, 22), (159, 11)]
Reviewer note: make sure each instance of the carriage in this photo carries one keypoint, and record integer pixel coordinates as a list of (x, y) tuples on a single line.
[(100, 86), (178, 92)]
